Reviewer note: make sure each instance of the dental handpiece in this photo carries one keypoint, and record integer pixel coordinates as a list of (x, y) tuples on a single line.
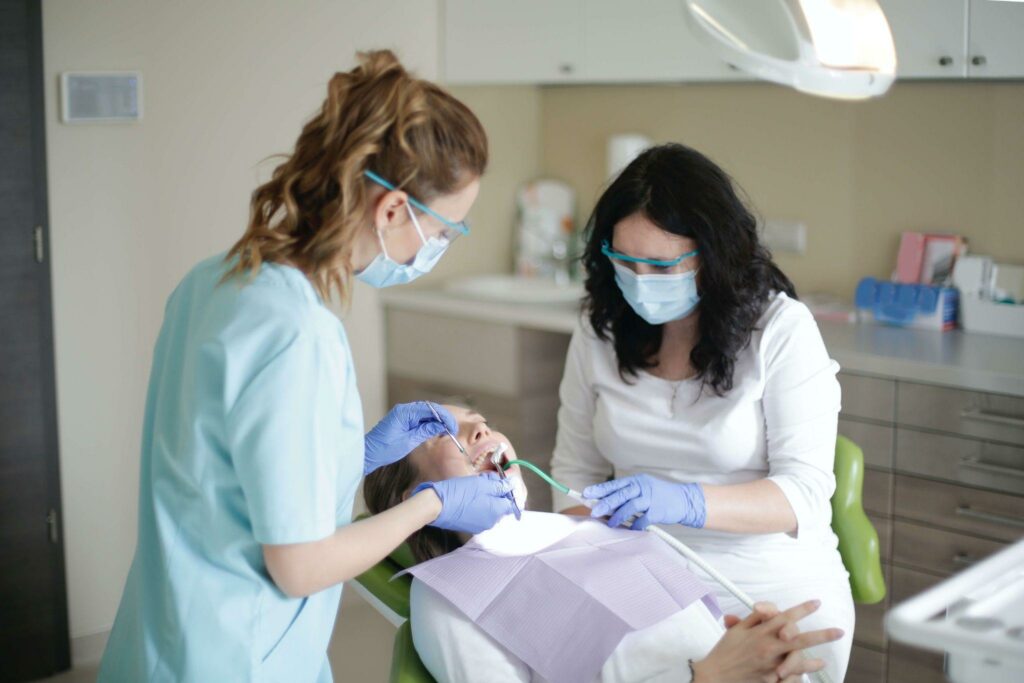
[(496, 458)]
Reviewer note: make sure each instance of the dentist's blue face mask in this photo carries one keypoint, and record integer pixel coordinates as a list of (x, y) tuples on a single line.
[(384, 271), (657, 298)]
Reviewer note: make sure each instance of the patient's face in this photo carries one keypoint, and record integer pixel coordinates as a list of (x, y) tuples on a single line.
[(438, 458)]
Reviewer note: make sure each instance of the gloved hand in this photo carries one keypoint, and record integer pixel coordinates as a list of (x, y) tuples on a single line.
[(404, 428), (472, 504), (656, 501)]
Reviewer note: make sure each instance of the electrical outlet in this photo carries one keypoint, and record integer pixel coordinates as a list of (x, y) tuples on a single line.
[(784, 236)]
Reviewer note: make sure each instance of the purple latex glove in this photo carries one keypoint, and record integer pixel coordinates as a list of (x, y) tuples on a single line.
[(472, 504), (651, 500), (404, 428)]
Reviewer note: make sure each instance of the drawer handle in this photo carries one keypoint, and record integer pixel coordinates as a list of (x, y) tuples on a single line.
[(992, 418), (1001, 470), (965, 511), (964, 560)]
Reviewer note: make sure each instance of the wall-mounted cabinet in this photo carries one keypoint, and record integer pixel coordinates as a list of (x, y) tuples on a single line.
[(650, 41), (957, 38), (929, 36), (574, 41), (995, 43)]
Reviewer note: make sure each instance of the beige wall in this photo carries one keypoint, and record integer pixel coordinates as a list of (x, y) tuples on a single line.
[(928, 156), (132, 207)]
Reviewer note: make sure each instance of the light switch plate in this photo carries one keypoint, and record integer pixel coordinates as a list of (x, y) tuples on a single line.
[(101, 96)]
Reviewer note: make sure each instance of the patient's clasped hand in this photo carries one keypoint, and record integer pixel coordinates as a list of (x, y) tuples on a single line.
[(556, 598)]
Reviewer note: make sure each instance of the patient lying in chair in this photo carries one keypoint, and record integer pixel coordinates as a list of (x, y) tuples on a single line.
[(552, 598)]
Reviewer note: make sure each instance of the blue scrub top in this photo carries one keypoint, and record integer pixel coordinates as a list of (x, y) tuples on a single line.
[(253, 435)]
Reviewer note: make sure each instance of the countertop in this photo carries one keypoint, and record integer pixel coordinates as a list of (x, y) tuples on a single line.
[(973, 361)]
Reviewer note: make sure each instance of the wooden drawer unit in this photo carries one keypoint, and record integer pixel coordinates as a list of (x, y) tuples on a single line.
[(502, 360), (969, 413), (870, 629), (972, 511), (875, 440), (907, 664), (868, 397), (910, 665), (962, 460), (937, 550), (867, 665), (877, 493)]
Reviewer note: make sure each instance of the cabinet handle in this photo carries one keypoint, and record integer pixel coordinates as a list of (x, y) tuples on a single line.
[(979, 415), (978, 60), (999, 470), (565, 68), (981, 516), (51, 524), (964, 560), (945, 60)]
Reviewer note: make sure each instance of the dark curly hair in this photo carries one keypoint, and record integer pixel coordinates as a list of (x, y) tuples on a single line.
[(683, 192)]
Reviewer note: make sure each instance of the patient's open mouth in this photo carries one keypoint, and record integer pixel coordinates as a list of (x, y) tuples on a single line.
[(482, 460)]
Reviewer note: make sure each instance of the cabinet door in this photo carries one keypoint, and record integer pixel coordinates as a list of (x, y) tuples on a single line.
[(996, 39), (526, 41), (646, 40), (929, 37)]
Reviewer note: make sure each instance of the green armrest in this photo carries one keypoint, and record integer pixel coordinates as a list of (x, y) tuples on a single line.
[(406, 666), (858, 540), (394, 594)]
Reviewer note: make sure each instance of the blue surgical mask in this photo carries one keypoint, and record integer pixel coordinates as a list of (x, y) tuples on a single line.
[(657, 298), (384, 271)]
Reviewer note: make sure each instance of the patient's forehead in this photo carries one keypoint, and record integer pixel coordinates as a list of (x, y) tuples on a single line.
[(463, 414)]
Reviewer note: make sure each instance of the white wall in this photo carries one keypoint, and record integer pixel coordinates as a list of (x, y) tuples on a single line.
[(132, 207)]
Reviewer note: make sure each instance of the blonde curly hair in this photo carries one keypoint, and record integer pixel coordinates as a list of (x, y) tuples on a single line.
[(376, 117)]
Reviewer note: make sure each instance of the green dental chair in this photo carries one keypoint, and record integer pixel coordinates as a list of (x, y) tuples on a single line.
[(858, 546)]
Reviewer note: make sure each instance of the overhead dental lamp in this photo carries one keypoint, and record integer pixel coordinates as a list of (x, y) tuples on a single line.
[(841, 49)]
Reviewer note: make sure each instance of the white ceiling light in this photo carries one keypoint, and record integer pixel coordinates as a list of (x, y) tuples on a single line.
[(833, 48)]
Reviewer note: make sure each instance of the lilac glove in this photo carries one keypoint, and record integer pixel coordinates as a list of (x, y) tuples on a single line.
[(404, 428), (656, 501), (472, 504)]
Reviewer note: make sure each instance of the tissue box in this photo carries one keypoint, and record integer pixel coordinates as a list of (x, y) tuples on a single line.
[(905, 305)]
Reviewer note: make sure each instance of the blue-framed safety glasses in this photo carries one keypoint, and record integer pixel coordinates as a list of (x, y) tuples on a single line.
[(607, 250), (451, 229)]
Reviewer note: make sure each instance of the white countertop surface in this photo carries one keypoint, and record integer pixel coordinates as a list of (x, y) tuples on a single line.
[(966, 360)]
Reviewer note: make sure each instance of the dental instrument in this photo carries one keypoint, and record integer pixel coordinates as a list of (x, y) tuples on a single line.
[(446, 430), (496, 457), (674, 543)]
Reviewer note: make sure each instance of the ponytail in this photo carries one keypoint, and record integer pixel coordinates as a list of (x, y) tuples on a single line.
[(376, 117)]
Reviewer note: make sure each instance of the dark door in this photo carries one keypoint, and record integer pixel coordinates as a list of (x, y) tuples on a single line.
[(33, 610)]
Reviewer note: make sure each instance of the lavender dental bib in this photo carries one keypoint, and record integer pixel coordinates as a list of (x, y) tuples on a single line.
[(564, 607)]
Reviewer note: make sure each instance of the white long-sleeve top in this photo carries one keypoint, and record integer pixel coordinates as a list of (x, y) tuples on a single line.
[(778, 422)]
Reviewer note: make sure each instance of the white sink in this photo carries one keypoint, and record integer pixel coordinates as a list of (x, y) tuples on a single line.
[(517, 290)]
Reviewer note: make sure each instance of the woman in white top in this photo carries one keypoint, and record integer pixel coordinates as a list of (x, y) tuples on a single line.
[(702, 385)]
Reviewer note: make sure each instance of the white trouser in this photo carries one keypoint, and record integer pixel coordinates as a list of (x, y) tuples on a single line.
[(787, 578)]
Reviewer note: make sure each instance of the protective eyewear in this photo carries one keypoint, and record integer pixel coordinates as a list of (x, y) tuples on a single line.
[(451, 229), (607, 250)]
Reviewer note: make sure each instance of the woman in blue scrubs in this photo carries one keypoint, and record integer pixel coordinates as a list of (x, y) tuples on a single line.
[(253, 443)]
